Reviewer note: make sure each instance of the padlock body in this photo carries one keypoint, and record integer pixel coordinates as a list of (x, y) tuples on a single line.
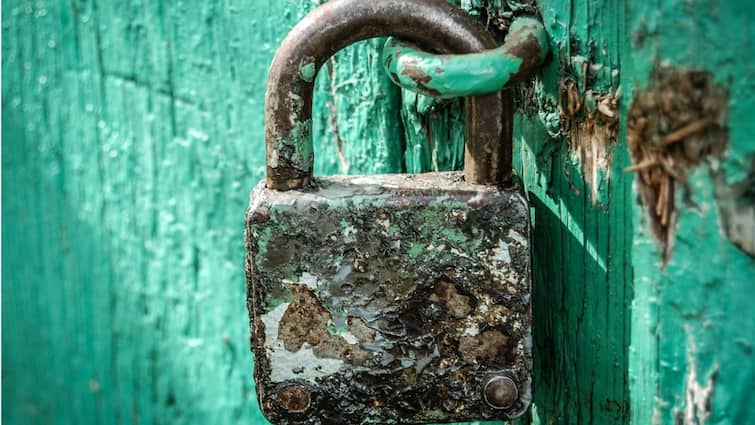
[(389, 298)]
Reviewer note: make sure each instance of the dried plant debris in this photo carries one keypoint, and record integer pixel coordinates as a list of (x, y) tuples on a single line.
[(673, 126), (591, 121)]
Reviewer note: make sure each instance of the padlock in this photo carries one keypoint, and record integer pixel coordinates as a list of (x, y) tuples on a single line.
[(400, 298)]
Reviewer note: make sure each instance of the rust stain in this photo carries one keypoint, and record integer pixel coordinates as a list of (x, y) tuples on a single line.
[(456, 303), (395, 301), (419, 77), (293, 398), (307, 321), (672, 127), (484, 347), (360, 329)]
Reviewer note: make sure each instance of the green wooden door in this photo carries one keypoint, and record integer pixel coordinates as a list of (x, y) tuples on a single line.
[(132, 134)]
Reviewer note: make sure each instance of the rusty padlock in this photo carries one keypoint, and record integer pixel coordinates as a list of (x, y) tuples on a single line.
[(388, 298)]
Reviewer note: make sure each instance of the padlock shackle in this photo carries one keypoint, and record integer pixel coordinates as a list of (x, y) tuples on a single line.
[(433, 24)]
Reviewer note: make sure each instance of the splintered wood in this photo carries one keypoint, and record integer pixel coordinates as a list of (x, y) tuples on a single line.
[(591, 121), (672, 126)]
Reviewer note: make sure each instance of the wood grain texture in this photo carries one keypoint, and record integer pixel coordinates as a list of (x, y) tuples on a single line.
[(583, 276), (132, 135), (133, 132), (692, 324)]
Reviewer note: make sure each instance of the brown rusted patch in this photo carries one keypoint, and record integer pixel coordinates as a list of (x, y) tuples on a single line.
[(294, 398), (672, 126), (359, 329), (306, 321), (370, 265), (591, 121), (419, 77), (487, 347), (524, 45), (415, 73), (496, 312), (456, 303)]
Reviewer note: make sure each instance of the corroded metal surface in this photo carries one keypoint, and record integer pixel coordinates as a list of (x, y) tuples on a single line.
[(435, 24), (393, 298), (470, 74)]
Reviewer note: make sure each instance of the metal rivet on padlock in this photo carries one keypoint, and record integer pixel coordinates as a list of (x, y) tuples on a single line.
[(500, 392), (387, 298)]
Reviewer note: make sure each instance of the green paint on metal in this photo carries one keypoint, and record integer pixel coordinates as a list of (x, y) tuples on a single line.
[(454, 235), (284, 297), (300, 141), (384, 281), (264, 239), (307, 70), (448, 75), (416, 250), (133, 133), (466, 74)]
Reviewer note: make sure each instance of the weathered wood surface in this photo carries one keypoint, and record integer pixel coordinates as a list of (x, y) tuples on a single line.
[(693, 326), (133, 133)]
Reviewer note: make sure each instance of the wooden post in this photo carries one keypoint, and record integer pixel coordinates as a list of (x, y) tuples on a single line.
[(132, 134)]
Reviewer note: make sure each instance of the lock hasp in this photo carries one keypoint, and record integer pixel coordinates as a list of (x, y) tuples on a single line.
[(390, 298)]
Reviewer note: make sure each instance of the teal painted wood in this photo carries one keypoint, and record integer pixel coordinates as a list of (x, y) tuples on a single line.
[(133, 133), (136, 133), (582, 266), (356, 120), (693, 328)]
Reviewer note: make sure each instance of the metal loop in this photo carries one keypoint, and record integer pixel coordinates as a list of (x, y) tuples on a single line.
[(336, 24), (471, 74)]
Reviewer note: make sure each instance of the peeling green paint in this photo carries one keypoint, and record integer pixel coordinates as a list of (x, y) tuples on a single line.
[(264, 239), (146, 165), (307, 70), (462, 75), (692, 324), (283, 298), (382, 324), (416, 250), (300, 141), (454, 235)]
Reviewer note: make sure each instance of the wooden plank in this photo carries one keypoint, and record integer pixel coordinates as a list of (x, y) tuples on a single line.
[(583, 275), (692, 331), (133, 133)]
